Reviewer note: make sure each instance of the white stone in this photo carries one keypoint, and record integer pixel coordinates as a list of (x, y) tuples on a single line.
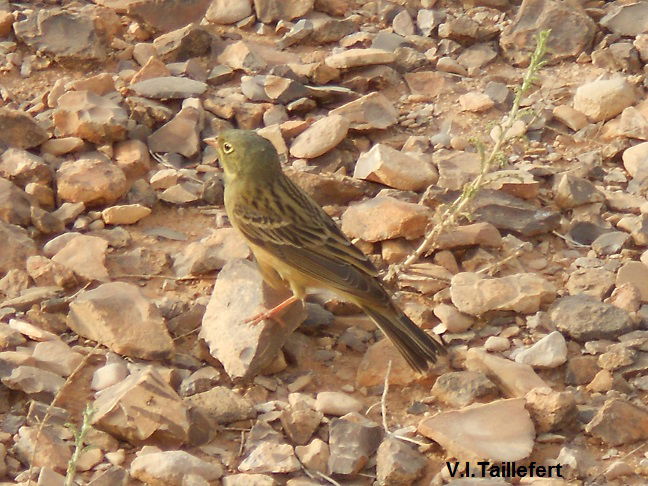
[(496, 344), (336, 403), (322, 136), (548, 352), (605, 98), (635, 158)]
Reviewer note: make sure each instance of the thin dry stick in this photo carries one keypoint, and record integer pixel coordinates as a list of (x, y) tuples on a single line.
[(383, 399), (48, 412), (383, 411), (327, 478), (166, 277), (450, 215)]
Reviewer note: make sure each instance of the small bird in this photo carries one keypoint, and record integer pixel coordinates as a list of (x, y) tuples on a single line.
[(297, 244)]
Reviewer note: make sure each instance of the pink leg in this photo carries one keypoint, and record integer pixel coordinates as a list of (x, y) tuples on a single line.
[(271, 313)]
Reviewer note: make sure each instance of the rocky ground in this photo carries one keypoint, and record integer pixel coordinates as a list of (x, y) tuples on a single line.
[(124, 291)]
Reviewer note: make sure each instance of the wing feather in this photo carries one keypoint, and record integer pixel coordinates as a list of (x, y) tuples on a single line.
[(291, 226)]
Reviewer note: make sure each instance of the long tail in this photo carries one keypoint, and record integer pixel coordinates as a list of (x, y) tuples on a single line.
[(417, 347)]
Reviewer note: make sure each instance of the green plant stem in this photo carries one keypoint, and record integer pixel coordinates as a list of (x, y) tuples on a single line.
[(79, 445), (470, 189)]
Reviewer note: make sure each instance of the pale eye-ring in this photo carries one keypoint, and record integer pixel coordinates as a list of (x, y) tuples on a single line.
[(227, 148)]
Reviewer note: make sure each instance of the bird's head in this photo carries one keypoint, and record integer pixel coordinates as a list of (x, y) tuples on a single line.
[(243, 153)]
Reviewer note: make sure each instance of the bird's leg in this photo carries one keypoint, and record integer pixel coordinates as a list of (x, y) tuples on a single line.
[(272, 313)]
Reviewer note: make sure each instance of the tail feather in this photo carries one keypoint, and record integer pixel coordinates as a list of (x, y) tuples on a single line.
[(417, 347)]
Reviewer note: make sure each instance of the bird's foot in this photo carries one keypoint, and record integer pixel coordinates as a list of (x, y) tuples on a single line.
[(262, 316), (272, 313)]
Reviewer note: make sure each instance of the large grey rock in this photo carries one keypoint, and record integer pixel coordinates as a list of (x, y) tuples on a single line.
[(572, 31), (584, 318)]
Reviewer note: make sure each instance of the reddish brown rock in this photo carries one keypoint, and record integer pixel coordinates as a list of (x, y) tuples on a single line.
[(118, 316), (93, 181), (91, 117), (384, 218)]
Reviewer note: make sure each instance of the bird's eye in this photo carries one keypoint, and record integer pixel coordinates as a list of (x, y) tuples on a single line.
[(227, 148)]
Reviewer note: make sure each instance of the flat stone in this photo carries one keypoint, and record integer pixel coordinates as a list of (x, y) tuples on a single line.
[(242, 56), (359, 57), (581, 370), (85, 256), (328, 188), (103, 313), (172, 468), (457, 169), (501, 430), (53, 452), (514, 379), (15, 205), (507, 212), (249, 480), (428, 84), (314, 455), (452, 319), (46, 272), (169, 87), (482, 234), (163, 15), (610, 243), (524, 292), (300, 422), (187, 42), (635, 159)]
